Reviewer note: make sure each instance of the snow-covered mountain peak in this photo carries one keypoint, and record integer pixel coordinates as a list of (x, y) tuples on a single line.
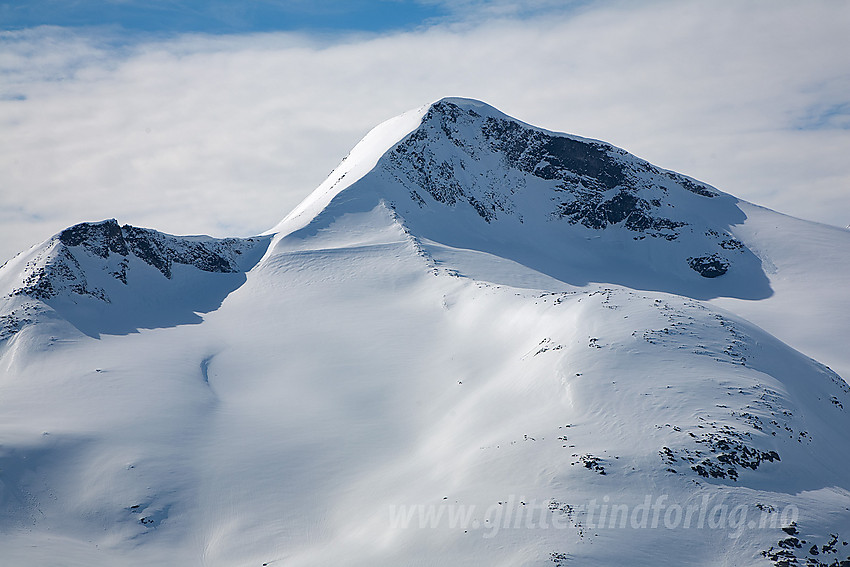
[(373, 367), (104, 277), (462, 174)]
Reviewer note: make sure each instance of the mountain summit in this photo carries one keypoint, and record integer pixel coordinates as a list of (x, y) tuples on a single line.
[(107, 278), (462, 174), (477, 343)]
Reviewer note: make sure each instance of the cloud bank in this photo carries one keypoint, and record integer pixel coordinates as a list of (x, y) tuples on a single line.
[(223, 135)]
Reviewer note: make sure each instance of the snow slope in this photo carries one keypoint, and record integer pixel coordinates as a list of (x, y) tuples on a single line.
[(466, 347)]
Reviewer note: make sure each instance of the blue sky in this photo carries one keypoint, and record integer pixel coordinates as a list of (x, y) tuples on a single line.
[(178, 115), (217, 16), (225, 17)]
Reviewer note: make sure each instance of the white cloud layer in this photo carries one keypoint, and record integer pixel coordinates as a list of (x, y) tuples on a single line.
[(224, 135)]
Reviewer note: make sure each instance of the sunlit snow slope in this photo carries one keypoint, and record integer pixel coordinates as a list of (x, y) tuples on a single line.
[(469, 340)]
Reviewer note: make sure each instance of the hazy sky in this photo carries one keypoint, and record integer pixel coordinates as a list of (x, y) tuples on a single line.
[(218, 117)]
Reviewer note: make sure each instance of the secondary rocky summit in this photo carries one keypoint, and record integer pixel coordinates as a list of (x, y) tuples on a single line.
[(60, 265)]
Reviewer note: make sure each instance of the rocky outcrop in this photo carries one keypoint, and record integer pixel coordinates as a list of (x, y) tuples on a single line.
[(59, 267), (709, 266), (468, 154)]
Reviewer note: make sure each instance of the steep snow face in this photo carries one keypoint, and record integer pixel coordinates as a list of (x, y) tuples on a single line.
[(468, 176), (360, 161), (103, 277)]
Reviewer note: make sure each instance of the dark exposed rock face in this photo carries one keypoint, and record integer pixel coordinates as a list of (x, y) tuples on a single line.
[(553, 158), (594, 185), (154, 248), (115, 245), (594, 211), (709, 266), (463, 155), (97, 238), (161, 251)]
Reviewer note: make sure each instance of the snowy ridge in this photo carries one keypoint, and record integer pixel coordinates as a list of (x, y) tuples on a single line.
[(355, 165)]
